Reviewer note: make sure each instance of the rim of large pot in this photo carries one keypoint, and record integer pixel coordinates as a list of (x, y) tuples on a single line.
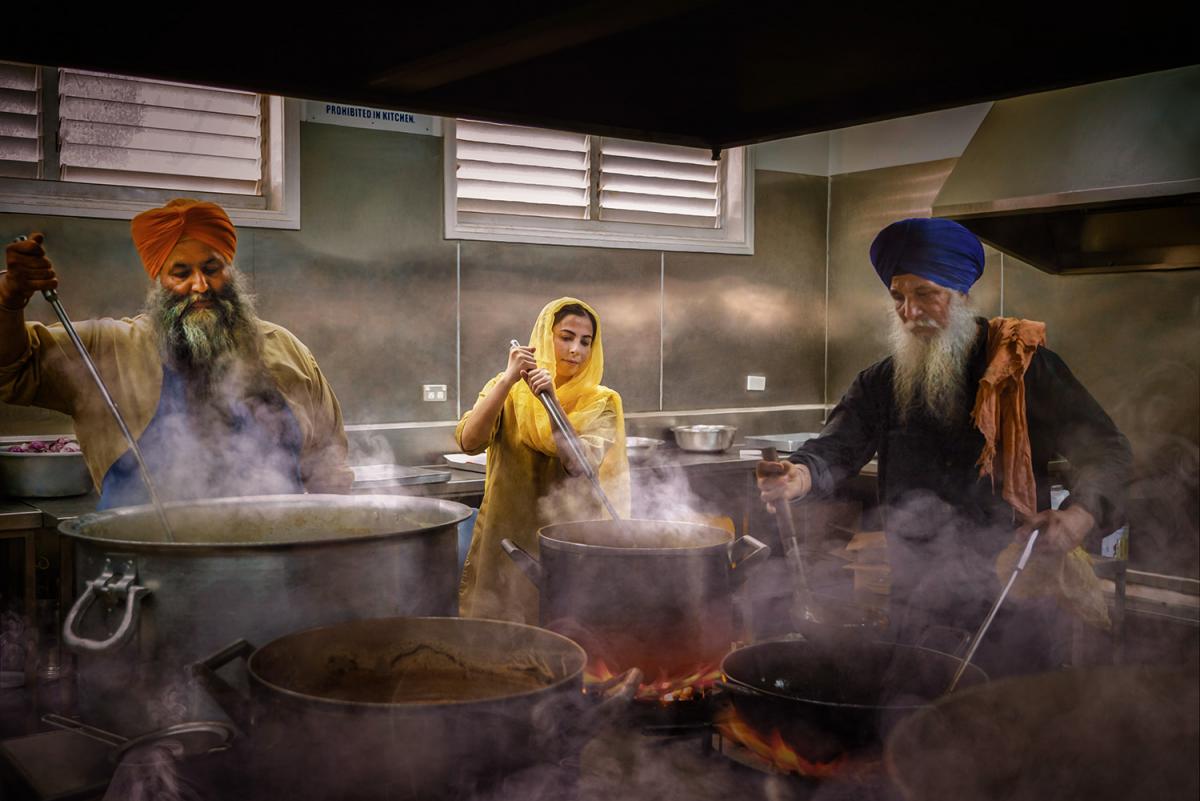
[(975, 669), (545, 540), (338, 703), (76, 527)]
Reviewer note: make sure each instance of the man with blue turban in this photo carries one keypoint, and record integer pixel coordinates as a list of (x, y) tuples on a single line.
[(964, 415)]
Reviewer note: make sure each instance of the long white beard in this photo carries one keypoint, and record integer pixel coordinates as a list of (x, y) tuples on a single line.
[(931, 371)]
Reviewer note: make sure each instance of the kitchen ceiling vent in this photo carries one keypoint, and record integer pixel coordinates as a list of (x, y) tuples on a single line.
[(1097, 178)]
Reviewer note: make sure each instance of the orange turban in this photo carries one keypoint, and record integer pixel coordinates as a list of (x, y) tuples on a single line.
[(156, 232)]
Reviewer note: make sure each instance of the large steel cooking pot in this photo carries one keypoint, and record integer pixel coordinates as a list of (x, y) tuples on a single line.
[(403, 707), (650, 594), (255, 567), (1101, 734), (830, 698)]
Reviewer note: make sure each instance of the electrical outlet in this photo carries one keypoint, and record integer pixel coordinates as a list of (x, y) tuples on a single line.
[(432, 393), (756, 383)]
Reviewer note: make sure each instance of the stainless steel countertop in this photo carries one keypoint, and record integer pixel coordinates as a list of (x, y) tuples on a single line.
[(17, 515), (24, 513)]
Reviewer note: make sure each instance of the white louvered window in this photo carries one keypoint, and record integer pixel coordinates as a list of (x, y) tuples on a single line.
[(519, 184), (20, 121), (134, 132), (105, 145)]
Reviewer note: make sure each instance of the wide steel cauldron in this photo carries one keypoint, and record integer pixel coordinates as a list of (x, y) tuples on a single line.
[(651, 594), (256, 567), (404, 708)]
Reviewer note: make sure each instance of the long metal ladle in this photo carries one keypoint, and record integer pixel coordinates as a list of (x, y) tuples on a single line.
[(51, 297), (987, 621), (559, 418)]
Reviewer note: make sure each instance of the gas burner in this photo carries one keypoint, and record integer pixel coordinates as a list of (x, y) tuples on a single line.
[(860, 778)]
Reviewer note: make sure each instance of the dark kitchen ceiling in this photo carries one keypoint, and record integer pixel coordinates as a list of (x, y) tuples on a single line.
[(712, 74)]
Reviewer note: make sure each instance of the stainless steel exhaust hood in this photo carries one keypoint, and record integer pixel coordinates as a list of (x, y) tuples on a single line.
[(1097, 178)]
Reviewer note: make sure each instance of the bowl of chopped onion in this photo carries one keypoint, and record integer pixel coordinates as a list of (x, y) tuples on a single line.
[(43, 469)]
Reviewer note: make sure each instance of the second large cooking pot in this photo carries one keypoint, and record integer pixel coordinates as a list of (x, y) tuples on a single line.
[(255, 567), (650, 594), (405, 708)]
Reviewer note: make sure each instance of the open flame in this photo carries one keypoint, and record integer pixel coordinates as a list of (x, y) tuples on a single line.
[(662, 688), (774, 751)]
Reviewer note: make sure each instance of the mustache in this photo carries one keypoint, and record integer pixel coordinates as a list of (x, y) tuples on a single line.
[(915, 325)]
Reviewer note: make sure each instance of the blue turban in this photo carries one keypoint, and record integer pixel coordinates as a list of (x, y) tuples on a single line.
[(940, 250)]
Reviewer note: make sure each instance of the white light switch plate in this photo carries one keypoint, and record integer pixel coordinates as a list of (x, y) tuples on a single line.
[(433, 392), (756, 383)]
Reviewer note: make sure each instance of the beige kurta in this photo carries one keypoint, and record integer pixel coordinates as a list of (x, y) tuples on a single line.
[(51, 375), (524, 489)]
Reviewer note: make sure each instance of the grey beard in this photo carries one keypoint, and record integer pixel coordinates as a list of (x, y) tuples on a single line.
[(931, 373), (205, 345)]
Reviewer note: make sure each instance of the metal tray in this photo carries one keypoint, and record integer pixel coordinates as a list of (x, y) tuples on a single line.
[(784, 443), (397, 475)]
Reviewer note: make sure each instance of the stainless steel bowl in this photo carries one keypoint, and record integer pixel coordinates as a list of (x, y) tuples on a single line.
[(704, 438), (641, 449), (43, 475)]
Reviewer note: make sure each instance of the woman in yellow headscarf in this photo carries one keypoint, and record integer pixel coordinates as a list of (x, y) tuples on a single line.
[(530, 480)]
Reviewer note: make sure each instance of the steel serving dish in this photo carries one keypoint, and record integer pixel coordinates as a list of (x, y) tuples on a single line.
[(256, 567), (704, 438), (641, 449), (43, 475)]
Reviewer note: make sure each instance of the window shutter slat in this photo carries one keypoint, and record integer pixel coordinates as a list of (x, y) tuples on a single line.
[(128, 128), (21, 77), (524, 209), (656, 152), (127, 160), (658, 186), (470, 131), (662, 204), (507, 169), (521, 174), (154, 181)]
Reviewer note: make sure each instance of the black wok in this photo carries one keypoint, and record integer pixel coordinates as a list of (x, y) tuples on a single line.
[(829, 698)]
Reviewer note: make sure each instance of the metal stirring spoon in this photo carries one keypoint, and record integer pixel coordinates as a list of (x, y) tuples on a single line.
[(987, 621), (559, 418), (51, 297)]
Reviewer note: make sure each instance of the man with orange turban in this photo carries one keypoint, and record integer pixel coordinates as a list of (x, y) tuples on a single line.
[(222, 403)]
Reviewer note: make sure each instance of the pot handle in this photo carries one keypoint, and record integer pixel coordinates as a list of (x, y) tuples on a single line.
[(104, 583), (232, 702), (521, 558), (759, 552)]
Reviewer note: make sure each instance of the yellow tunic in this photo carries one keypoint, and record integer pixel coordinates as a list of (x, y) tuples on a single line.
[(51, 375), (525, 489)]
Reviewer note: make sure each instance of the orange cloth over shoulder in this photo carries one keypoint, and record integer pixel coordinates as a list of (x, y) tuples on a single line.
[(157, 231), (999, 411)]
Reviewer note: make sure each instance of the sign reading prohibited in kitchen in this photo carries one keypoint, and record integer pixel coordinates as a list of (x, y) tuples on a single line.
[(367, 117)]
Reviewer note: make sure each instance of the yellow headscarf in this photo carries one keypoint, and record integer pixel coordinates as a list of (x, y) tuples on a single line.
[(582, 398)]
